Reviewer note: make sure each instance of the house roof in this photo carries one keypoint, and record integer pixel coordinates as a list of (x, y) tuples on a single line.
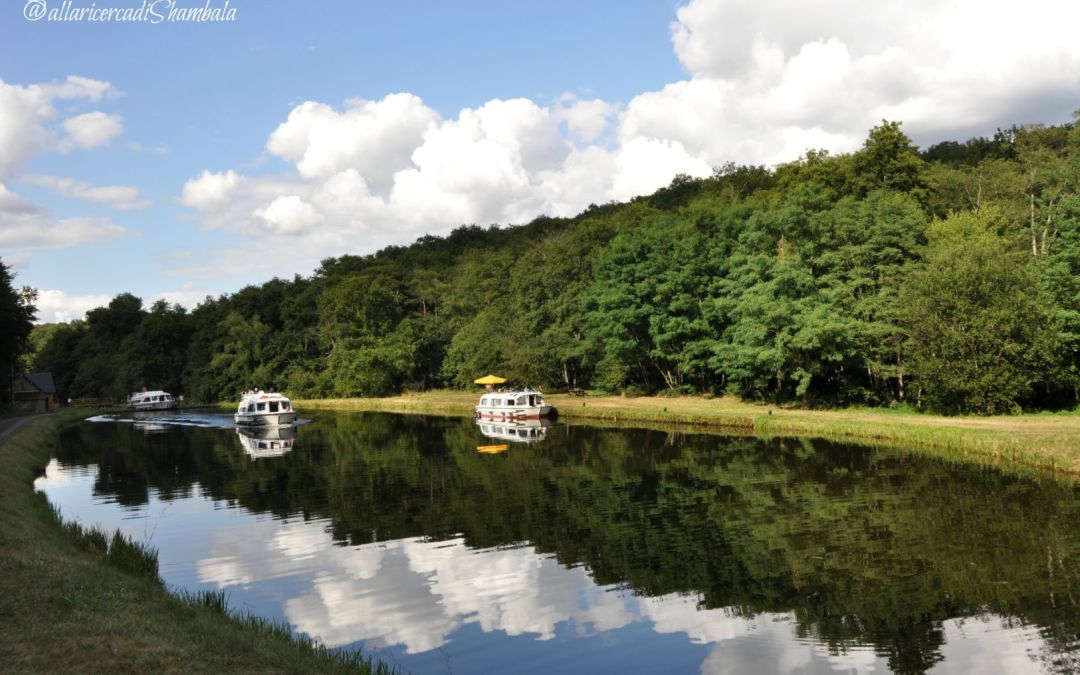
[(42, 381)]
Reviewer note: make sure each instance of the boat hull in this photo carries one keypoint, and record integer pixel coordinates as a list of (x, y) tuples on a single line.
[(155, 405), (517, 413), (278, 419)]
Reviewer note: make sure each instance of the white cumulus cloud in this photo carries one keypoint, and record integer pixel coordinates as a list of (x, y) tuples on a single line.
[(24, 225), (27, 119), (766, 81), (55, 306), (288, 215), (91, 130), (121, 197), (35, 231), (833, 70), (374, 137), (209, 190)]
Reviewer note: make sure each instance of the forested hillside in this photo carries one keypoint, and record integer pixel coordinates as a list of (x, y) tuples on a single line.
[(945, 278)]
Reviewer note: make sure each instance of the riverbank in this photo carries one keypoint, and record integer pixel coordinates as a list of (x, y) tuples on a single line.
[(68, 605), (1044, 443)]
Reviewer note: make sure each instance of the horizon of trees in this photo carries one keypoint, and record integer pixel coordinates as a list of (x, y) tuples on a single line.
[(945, 278)]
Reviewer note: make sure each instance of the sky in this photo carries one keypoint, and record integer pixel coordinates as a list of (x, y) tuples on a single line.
[(143, 150)]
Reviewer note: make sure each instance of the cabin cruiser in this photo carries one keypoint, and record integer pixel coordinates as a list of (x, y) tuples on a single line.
[(260, 442), (152, 400), (519, 404), (264, 409)]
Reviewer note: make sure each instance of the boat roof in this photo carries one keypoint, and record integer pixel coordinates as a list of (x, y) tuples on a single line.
[(156, 392), (513, 391), (262, 396)]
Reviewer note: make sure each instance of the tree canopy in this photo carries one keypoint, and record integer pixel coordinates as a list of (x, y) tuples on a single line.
[(17, 312)]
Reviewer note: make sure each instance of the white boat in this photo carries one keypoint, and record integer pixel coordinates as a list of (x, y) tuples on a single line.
[(264, 409), (152, 400), (517, 431), (516, 404), (260, 442)]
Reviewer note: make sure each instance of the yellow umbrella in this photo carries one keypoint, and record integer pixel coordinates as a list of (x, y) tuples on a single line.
[(490, 379)]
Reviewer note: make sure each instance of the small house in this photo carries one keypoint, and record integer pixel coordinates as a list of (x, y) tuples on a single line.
[(34, 392)]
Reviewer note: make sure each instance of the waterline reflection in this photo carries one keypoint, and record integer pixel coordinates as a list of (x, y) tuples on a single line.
[(597, 550)]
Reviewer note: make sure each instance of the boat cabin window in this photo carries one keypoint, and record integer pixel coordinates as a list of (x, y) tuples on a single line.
[(251, 407), (273, 406), (483, 401), (262, 407), (521, 400), (285, 405)]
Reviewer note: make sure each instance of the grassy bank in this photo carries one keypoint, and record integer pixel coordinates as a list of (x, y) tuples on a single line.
[(1044, 443), (79, 600)]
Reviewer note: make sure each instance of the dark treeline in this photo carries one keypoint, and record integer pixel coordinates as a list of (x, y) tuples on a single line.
[(944, 278), (17, 313)]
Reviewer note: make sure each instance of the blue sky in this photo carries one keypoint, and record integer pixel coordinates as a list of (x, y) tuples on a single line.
[(180, 159)]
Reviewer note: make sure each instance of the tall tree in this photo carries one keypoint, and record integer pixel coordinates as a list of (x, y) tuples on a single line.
[(982, 338), (17, 313)]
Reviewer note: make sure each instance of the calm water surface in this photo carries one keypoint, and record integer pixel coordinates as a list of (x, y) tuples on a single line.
[(444, 546)]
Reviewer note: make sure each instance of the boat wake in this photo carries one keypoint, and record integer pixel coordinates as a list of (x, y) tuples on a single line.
[(161, 421)]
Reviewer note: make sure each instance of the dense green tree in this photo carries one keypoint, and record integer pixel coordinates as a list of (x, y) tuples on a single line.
[(888, 160), (154, 354), (981, 335), (17, 312)]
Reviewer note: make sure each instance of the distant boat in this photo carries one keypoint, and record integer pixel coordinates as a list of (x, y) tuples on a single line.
[(259, 442), (153, 400), (517, 404), (263, 409)]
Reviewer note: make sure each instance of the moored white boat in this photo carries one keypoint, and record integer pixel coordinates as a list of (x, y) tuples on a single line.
[(264, 409), (517, 404), (152, 400)]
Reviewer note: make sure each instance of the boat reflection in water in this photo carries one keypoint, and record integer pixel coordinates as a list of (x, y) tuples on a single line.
[(261, 442), (515, 431)]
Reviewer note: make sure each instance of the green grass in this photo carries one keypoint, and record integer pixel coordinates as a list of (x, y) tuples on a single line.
[(78, 599), (1043, 444)]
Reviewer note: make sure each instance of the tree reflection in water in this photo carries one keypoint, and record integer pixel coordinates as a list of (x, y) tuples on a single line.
[(864, 551)]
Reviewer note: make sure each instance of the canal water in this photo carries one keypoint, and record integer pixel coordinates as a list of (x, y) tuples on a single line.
[(446, 546)]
